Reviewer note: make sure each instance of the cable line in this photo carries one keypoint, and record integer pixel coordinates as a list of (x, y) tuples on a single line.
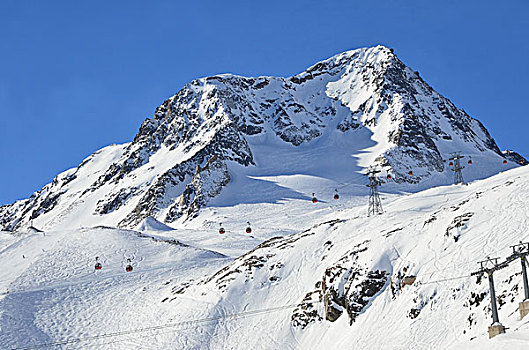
[(444, 280), (160, 327)]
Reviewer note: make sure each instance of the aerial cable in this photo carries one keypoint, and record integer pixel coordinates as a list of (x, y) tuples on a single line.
[(443, 280), (160, 327)]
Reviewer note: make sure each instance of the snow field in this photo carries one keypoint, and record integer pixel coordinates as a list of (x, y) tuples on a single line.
[(402, 237)]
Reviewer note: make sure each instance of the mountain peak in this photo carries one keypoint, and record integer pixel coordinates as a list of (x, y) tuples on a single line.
[(363, 107), (347, 61)]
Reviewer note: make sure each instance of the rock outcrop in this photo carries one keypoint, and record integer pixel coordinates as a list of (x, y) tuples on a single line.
[(367, 95)]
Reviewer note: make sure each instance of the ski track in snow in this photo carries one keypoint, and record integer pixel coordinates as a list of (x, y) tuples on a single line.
[(55, 295)]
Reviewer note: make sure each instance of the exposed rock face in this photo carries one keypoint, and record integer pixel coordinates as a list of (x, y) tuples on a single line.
[(515, 157), (347, 286), (207, 183), (44, 201), (114, 201), (457, 225), (306, 312), (357, 93)]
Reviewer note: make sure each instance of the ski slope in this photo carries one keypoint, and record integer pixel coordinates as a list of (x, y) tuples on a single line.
[(176, 298)]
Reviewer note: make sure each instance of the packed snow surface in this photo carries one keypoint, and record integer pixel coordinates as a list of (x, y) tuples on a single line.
[(235, 153), (201, 287)]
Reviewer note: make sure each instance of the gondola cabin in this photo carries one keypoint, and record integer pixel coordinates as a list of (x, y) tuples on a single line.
[(249, 227), (98, 265)]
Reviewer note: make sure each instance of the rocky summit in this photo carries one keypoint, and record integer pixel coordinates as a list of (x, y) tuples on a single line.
[(359, 108)]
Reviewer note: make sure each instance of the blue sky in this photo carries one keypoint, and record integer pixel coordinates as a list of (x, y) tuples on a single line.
[(77, 76)]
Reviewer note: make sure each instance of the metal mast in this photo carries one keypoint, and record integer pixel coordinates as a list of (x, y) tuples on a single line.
[(489, 271), (375, 205), (489, 266), (521, 251), (458, 175)]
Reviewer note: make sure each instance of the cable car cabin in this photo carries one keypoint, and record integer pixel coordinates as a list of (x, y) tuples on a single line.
[(470, 162), (248, 228), (314, 199), (98, 265), (505, 161), (128, 268), (388, 177), (410, 173), (222, 231), (336, 196), (451, 164)]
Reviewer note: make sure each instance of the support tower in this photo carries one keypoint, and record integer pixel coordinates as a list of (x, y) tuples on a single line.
[(521, 251), (458, 175), (489, 266), (375, 205)]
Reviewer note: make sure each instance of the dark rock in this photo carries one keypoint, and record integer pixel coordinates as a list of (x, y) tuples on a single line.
[(515, 157)]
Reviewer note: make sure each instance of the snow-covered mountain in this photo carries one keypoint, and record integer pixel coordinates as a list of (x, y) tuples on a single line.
[(226, 139), (232, 152), (401, 280), (310, 276)]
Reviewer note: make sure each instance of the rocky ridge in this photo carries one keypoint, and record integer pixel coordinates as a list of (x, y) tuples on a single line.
[(181, 158)]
